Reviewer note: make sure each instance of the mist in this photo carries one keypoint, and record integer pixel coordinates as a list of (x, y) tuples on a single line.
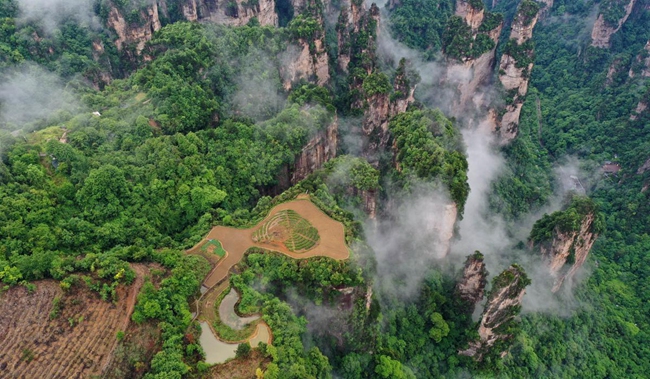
[(405, 248), (29, 94), (406, 241), (259, 86), (51, 13)]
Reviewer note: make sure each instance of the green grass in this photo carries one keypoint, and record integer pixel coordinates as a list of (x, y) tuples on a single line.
[(218, 250), (224, 331)]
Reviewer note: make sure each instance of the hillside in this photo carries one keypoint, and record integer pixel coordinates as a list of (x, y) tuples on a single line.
[(294, 188)]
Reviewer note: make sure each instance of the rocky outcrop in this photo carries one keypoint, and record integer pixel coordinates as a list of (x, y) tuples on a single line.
[(640, 108), (603, 31), (467, 73), (235, 12), (572, 248), (503, 305), (312, 62), (564, 238), (644, 168), (471, 285), (546, 8), (320, 149), (134, 33), (515, 68), (471, 11), (308, 65), (642, 60), (373, 95)]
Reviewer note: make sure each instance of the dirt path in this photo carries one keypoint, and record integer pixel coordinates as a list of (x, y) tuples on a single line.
[(237, 241), (141, 271)]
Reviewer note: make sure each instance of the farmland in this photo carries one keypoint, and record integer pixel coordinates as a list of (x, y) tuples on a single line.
[(49, 333)]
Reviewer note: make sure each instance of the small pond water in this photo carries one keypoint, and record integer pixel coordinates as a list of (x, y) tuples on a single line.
[(216, 351), (229, 316)]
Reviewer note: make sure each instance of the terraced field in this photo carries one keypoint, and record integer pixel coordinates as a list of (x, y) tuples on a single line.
[(296, 228), (288, 228)]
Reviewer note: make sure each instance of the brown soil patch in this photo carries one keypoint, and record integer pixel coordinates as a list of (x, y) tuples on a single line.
[(240, 368), (237, 241), (76, 344)]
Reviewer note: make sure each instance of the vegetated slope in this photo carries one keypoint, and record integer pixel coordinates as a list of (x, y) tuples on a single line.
[(49, 333), (582, 103)]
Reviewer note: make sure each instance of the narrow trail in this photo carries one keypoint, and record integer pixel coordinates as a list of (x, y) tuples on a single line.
[(141, 271), (237, 241)]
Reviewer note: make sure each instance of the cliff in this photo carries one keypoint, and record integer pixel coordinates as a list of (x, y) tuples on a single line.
[(470, 48), (471, 286), (514, 70), (604, 28), (642, 60), (137, 33), (312, 61), (234, 12), (497, 325), (134, 33), (372, 94), (471, 11), (546, 8), (564, 238), (320, 149)]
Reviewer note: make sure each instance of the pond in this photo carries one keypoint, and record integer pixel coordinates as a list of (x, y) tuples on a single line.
[(216, 351), (229, 316)]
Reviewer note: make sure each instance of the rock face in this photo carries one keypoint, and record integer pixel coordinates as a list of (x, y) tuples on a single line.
[(644, 168), (472, 16), (468, 74), (357, 32), (320, 149), (134, 33), (640, 108), (471, 286), (515, 68), (546, 8), (566, 248), (602, 32), (312, 62), (503, 305), (644, 62), (565, 238), (235, 13)]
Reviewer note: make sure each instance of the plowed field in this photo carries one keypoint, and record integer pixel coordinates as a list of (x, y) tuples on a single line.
[(76, 344)]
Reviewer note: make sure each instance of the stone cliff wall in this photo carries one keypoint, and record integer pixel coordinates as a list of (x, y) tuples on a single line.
[(134, 33), (503, 305), (602, 33), (567, 252), (514, 75), (312, 63), (235, 13), (320, 149), (467, 76), (471, 286)]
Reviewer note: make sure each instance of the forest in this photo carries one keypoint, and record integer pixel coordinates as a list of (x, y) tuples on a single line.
[(129, 129)]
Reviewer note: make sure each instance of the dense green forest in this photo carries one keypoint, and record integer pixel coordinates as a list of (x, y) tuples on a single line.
[(144, 152)]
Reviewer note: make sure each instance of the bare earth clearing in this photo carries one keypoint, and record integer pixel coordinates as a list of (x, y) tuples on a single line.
[(76, 344), (329, 241)]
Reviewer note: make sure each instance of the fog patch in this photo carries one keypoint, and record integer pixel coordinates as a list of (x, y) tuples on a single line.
[(259, 95), (51, 13), (29, 94)]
